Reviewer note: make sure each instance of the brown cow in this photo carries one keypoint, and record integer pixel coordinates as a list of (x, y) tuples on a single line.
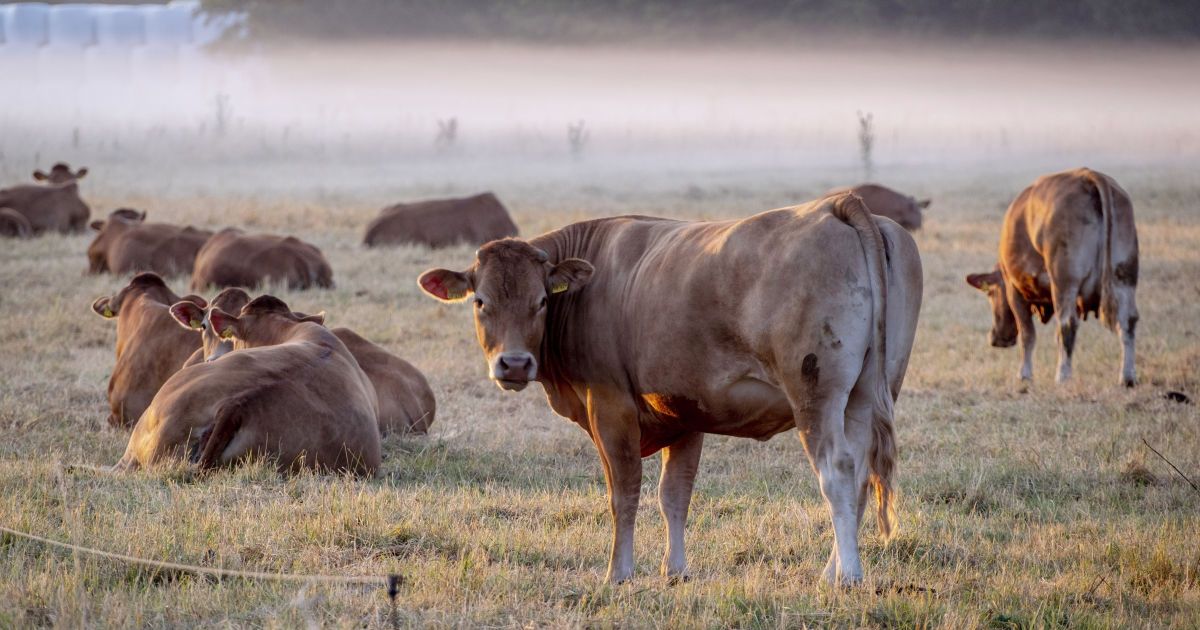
[(150, 347), (126, 243), (442, 222), (232, 258), (886, 202), (406, 402), (55, 206), (290, 391), (1060, 239), (13, 224), (649, 333)]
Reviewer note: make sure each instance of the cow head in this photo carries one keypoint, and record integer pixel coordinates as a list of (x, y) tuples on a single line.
[(194, 316), (1004, 322), (264, 321), (511, 282), (106, 231), (60, 174), (146, 283)]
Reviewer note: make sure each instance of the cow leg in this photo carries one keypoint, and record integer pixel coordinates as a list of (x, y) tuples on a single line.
[(1068, 322), (1025, 326), (680, 461), (833, 440), (615, 430), (1127, 316)]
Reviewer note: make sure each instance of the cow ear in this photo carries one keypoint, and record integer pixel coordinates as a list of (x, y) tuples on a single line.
[(39, 175), (224, 324), (195, 299), (103, 308), (982, 281), (81, 173), (569, 275), (188, 314), (446, 285), (319, 318), (924, 203), (97, 225)]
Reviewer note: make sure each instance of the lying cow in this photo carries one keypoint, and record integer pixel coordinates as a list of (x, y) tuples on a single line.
[(150, 347), (406, 402), (649, 333), (52, 207), (126, 243), (13, 224), (232, 258), (291, 392), (885, 202), (442, 222), (1068, 248)]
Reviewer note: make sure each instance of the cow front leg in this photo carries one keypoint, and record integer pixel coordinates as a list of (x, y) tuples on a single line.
[(680, 462), (615, 430), (1024, 316)]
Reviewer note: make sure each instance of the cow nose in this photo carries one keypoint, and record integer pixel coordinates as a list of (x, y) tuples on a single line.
[(514, 366)]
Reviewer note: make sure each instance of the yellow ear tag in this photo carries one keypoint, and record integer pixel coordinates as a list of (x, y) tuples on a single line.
[(559, 287), (108, 312), (195, 323), (227, 333), (455, 295)]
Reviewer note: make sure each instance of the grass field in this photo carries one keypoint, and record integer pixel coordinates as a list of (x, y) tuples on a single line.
[(1020, 507)]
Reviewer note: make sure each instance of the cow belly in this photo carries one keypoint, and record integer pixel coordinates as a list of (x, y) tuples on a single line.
[(748, 408)]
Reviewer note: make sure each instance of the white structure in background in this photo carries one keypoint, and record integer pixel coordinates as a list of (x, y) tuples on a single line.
[(79, 58)]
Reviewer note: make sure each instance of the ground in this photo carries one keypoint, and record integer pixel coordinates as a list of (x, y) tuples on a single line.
[(1020, 506)]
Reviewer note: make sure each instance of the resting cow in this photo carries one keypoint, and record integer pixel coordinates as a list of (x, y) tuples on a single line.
[(442, 222), (232, 258), (1068, 248), (126, 243), (406, 402), (150, 347), (290, 392), (52, 207), (649, 333), (885, 202)]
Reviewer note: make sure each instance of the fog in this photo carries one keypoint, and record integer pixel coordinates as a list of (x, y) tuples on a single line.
[(787, 105)]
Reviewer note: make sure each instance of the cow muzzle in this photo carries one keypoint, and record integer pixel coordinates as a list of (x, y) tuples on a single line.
[(1003, 342), (512, 371)]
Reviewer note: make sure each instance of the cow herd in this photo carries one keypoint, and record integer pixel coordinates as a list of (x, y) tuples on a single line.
[(648, 333)]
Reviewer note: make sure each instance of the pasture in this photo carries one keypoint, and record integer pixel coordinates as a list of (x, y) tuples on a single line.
[(1019, 506)]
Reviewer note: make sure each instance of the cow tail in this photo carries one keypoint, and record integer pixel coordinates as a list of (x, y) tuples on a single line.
[(1108, 298), (882, 455), (229, 418)]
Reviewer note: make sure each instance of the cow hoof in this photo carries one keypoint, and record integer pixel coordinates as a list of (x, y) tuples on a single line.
[(1129, 382)]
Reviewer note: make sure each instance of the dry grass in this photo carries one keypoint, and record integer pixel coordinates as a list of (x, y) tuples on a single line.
[(1020, 508)]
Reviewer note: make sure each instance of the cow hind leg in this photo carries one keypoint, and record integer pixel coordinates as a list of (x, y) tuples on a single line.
[(1127, 316), (1068, 324), (680, 461)]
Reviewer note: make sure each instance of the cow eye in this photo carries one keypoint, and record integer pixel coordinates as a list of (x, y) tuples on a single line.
[(478, 303), (542, 304)]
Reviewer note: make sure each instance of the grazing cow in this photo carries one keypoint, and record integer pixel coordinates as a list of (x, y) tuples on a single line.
[(886, 202), (126, 243), (1068, 248), (406, 402), (649, 333), (442, 222), (55, 206), (290, 391), (150, 347), (13, 224), (232, 258)]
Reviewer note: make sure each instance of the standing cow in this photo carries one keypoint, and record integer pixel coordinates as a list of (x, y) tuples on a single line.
[(649, 333), (1068, 248)]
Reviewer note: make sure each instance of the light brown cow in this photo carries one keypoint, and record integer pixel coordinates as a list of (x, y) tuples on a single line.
[(442, 222), (1069, 247), (232, 258), (126, 243), (885, 202), (13, 224), (55, 206), (406, 402), (649, 333), (290, 391), (150, 347)]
